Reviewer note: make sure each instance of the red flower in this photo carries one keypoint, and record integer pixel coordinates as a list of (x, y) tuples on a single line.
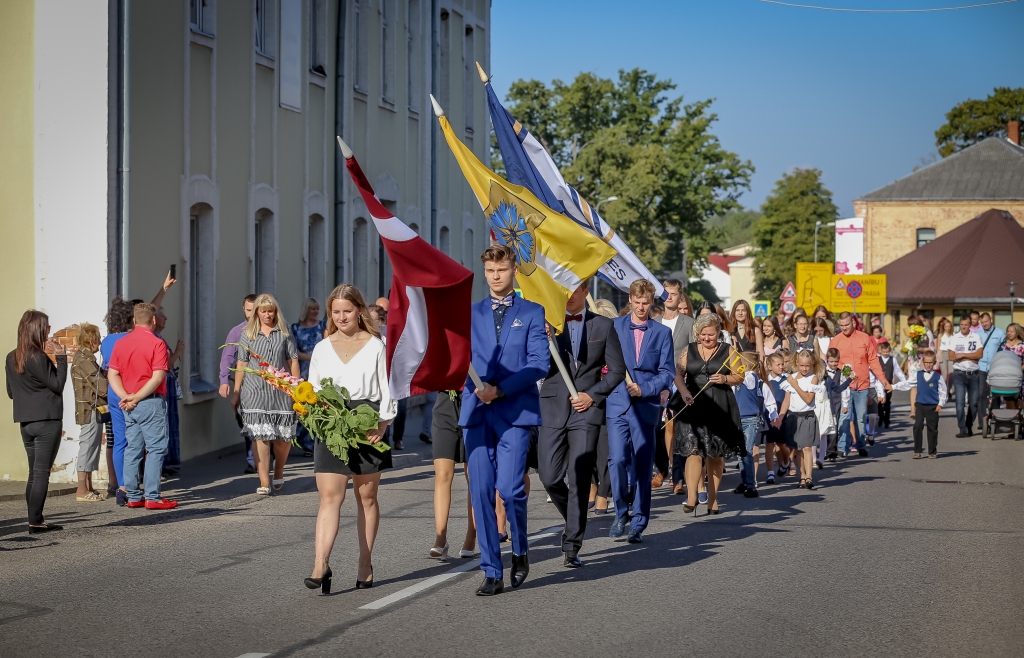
[(264, 364)]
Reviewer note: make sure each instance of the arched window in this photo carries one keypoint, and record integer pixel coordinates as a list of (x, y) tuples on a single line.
[(316, 265), (202, 310), (468, 248), (360, 260), (265, 253), (444, 240)]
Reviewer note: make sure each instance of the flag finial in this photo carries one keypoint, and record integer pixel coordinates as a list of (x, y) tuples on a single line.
[(483, 76), (345, 150), (437, 106)]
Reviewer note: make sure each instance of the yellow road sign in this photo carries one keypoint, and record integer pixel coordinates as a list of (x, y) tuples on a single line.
[(872, 295), (813, 285)]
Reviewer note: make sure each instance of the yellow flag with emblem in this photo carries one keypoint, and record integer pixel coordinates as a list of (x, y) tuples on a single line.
[(554, 254)]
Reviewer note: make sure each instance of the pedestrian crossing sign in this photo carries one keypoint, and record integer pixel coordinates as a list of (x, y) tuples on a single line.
[(762, 309)]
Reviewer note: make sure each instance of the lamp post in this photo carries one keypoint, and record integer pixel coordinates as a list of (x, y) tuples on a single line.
[(818, 225), (598, 208)]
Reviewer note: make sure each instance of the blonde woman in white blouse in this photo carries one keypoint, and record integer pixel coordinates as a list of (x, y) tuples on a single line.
[(353, 356)]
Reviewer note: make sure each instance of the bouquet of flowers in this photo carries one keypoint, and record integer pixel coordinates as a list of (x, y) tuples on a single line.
[(325, 414), (847, 370), (917, 337)]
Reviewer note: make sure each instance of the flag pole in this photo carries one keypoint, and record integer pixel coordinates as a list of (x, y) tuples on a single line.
[(483, 76), (573, 393)]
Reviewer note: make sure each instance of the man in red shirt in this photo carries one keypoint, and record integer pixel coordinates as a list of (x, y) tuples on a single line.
[(137, 371), (857, 350)]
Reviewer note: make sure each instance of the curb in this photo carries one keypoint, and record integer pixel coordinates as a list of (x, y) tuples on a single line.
[(52, 493)]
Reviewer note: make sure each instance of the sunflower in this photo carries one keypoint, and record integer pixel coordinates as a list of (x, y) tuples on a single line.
[(304, 393), (300, 409)]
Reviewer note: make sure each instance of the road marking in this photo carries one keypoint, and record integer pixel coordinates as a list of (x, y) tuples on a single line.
[(447, 575), (254, 655)]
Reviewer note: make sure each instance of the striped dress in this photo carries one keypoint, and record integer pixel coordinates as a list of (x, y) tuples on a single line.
[(266, 411)]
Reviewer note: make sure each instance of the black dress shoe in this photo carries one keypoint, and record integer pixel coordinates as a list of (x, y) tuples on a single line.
[(520, 569), (635, 537), (571, 561), (961, 435), (46, 527), (121, 497), (740, 489), (399, 445), (862, 452), (424, 438), (750, 493), (490, 587)]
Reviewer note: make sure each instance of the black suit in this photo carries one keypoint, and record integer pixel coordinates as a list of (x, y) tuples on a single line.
[(568, 439)]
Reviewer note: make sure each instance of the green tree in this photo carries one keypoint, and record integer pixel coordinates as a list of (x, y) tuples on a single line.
[(734, 228), (974, 120), (627, 138), (784, 236)]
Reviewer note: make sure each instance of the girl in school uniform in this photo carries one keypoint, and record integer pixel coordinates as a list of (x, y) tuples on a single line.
[(800, 427), (754, 397), (774, 440)]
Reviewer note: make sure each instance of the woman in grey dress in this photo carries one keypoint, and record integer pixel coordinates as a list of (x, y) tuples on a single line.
[(266, 411)]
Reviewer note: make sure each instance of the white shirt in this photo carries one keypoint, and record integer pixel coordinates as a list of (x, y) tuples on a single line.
[(964, 345), (750, 382), (575, 329), (897, 371), (908, 384), (796, 403), (365, 376), (671, 324), (944, 342), (823, 343)]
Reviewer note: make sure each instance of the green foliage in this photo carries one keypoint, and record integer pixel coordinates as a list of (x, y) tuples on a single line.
[(628, 139), (700, 290), (974, 120), (340, 428), (784, 235), (734, 228)]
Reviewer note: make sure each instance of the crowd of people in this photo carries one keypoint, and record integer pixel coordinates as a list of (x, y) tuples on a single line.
[(645, 395)]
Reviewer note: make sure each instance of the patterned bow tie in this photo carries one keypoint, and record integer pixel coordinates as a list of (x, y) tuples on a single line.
[(641, 327), (574, 318), (504, 301)]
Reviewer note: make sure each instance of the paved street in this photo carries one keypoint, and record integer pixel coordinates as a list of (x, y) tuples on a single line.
[(887, 556)]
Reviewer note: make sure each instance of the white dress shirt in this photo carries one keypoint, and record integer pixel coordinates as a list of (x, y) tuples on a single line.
[(575, 329), (750, 382), (908, 384)]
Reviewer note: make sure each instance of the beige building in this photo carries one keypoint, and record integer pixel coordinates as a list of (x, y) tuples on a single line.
[(932, 201), (200, 133)]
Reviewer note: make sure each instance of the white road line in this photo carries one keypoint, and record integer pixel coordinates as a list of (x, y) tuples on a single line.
[(254, 655), (447, 575)]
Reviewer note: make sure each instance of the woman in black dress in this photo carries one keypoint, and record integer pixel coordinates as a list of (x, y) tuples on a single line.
[(746, 337), (708, 429)]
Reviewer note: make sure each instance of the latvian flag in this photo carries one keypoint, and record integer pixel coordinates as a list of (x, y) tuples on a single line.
[(429, 305)]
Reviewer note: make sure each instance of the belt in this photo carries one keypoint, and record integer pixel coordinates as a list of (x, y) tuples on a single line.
[(966, 372)]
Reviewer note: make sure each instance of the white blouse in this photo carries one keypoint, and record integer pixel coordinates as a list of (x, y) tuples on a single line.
[(365, 376)]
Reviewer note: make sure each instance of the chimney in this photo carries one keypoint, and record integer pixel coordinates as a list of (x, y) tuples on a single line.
[(1013, 132)]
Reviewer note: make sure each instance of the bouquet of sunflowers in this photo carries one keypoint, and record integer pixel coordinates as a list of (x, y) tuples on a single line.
[(917, 336), (325, 414)]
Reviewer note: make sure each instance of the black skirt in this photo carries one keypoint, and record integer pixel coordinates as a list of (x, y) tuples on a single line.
[(364, 460), (445, 432)]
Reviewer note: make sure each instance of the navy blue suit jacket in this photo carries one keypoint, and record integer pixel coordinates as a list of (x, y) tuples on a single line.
[(515, 364), (654, 372)]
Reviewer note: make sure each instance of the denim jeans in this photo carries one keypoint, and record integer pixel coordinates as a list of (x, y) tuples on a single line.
[(858, 407), (751, 433), (968, 387), (146, 431)]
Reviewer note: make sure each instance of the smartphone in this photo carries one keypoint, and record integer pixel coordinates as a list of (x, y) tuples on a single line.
[(174, 270)]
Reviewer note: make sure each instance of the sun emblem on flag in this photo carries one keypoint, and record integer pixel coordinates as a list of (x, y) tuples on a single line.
[(513, 224)]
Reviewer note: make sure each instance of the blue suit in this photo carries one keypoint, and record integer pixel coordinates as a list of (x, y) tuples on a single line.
[(632, 421), (497, 434)]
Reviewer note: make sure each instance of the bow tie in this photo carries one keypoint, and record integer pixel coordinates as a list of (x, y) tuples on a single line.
[(504, 301), (641, 327), (574, 318)]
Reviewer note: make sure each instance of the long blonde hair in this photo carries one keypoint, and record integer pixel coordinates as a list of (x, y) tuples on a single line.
[(350, 293), (264, 301)]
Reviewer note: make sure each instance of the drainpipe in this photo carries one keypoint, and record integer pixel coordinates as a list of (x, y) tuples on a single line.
[(126, 141), (339, 160), (433, 124)]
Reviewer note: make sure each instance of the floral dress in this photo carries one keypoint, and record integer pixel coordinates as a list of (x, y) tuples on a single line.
[(306, 339)]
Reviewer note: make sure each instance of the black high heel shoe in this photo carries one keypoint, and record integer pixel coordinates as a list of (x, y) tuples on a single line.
[(366, 584), (687, 509), (323, 582), (713, 511)]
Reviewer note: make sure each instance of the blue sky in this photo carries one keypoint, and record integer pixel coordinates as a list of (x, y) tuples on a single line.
[(858, 96)]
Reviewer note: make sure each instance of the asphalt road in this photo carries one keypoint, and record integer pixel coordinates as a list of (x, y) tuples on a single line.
[(887, 556)]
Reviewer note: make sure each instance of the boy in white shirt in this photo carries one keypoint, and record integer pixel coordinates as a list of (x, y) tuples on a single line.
[(931, 396)]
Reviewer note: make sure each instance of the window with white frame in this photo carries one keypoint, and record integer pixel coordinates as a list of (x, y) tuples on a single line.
[(360, 255), (924, 236), (444, 240), (316, 264), (266, 28), (469, 79), (203, 357), (412, 54), (387, 51), (265, 253), (360, 10), (318, 36), (201, 15)]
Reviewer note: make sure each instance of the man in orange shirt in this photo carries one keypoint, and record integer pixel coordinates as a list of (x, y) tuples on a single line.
[(857, 350)]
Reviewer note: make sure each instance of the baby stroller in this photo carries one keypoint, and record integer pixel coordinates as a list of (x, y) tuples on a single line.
[(1004, 381)]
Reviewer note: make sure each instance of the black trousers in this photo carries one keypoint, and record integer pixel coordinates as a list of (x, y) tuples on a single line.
[(884, 410), (926, 413), (42, 440), (664, 461), (601, 476), (572, 451)]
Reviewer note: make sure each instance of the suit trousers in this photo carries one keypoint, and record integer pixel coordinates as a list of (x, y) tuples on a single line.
[(885, 411), (926, 413), (601, 477), (42, 440), (496, 459), (631, 460), (572, 451)]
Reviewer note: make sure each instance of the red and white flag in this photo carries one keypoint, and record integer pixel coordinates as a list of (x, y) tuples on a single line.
[(429, 306)]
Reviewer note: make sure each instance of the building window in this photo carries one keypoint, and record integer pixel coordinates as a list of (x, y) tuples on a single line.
[(201, 15), (387, 50), (266, 28), (265, 253), (412, 54), (359, 8), (924, 236), (318, 37), (316, 265), (445, 63), (470, 79), (360, 255), (468, 249), (444, 240), (202, 350)]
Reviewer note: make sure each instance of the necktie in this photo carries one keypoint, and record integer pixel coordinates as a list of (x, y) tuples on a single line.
[(641, 327), (574, 318), (504, 301)]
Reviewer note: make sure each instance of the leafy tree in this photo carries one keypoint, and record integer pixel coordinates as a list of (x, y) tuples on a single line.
[(784, 236), (700, 290), (627, 138), (974, 120), (734, 228)]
